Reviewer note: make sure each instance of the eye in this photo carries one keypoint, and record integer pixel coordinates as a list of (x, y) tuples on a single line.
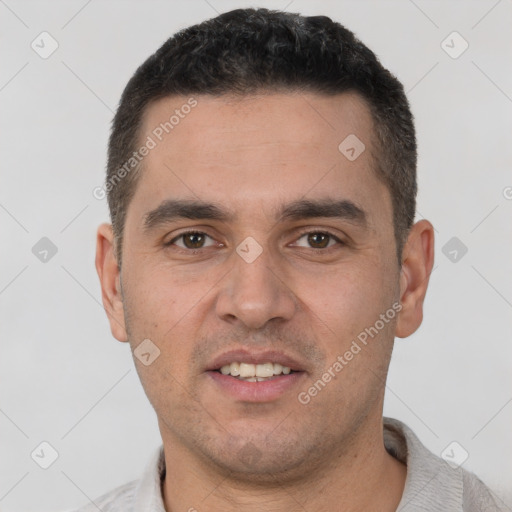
[(317, 240), (192, 240)]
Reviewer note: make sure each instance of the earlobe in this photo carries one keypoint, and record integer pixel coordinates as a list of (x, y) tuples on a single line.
[(417, 263), (110, 279)]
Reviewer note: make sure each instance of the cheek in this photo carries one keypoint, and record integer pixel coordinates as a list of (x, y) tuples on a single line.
[(161, 296), (346, 299), (167, 306)]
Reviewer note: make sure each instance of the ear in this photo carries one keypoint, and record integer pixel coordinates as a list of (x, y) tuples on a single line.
[(417, 263), (110, 279)]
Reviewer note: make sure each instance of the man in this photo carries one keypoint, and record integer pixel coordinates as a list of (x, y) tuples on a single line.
[(262, 258)]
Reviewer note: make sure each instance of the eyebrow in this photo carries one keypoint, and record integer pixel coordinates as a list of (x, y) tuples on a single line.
[(330, 208), (174, 209)]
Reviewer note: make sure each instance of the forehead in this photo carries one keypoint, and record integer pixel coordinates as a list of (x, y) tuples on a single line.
[(243, 123), (254, 151)]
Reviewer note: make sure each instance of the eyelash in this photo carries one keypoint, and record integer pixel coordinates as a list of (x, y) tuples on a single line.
[(170, 243), (323, 232), (302, 234)]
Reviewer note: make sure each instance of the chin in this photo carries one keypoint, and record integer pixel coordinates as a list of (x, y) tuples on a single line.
[(265, 469), (262, 460)]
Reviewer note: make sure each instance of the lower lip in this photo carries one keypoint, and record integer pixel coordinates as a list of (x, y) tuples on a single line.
[(264, 391)]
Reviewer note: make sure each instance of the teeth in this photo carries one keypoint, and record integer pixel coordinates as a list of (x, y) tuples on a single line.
[(254, 372), (247, 370), (264, 370), (235, 369), (277, 369)]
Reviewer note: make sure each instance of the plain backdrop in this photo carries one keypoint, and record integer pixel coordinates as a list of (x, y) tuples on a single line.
[(67, 382)]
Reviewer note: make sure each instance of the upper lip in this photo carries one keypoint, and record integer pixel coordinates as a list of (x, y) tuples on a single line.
[(255, 357)]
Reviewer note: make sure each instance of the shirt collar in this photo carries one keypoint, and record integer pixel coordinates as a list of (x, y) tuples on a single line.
[(148, 493), (431, 484)]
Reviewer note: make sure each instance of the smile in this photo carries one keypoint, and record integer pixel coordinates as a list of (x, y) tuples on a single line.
[(254, 372)]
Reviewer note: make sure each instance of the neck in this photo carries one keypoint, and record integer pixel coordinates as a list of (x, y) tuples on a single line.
[(364, 477)]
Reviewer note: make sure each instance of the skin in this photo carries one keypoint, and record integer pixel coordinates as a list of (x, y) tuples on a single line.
[(252, 156)]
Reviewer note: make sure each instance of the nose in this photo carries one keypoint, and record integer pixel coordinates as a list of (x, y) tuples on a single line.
[(254, 293)]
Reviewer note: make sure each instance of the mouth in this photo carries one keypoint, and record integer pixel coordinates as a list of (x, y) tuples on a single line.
[(254, 372), (251, 376)]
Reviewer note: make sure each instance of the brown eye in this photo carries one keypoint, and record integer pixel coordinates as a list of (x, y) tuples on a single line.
[(318, 240), (193, 240)]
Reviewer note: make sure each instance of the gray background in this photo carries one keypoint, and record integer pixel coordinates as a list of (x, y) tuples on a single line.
[(66, 381)]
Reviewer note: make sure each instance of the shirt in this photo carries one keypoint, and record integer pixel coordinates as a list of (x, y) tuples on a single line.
[(431, 485)]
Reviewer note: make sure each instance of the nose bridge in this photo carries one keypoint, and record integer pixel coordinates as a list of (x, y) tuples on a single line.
[(253, 293)]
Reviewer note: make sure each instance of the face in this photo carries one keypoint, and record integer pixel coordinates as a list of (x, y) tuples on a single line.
[(251, 238)]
